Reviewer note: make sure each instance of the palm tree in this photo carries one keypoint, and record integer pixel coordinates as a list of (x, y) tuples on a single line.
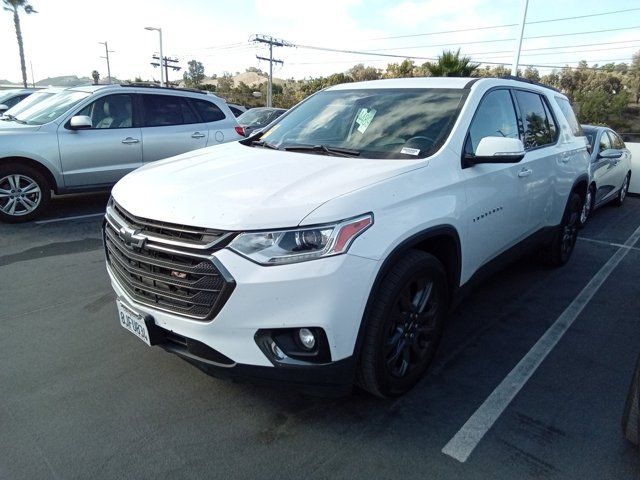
[(451, 64), (14, 6)]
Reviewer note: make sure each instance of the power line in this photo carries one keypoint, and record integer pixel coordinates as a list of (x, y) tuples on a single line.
[(507, 25), (560, 53), (556, 48)]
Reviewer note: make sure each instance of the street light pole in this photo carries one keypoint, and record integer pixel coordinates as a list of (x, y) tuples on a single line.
[(163, 82), (107, 51), (516, 60)]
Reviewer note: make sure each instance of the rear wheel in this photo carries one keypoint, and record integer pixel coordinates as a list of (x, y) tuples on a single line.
[(24, 193), (404, 325), (559, 251), (622, 194)]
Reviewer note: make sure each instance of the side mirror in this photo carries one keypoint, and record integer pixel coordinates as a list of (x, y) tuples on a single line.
[(3, 108), (610, 153), (497, 150), (80, 122)]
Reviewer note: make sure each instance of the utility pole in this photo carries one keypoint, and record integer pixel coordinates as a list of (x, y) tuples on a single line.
[(33, 82), (165, 67), (272, 42), (516, 60), (107, 52)]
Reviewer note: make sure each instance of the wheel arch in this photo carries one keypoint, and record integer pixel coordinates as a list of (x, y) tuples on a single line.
[(36, 165), (442, 241)]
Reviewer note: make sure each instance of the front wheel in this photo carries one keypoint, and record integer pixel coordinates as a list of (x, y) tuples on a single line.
[(24, 193), (404, 325), (622, 194), (587, 208), (559, 250)]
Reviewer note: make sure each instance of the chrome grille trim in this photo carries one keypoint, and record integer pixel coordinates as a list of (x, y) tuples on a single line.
[(120, 216), (187, 283)]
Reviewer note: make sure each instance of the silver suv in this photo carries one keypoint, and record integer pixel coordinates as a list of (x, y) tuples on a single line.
[(87, 138)]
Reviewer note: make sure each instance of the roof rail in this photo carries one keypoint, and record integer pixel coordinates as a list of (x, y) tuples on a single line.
[(152, 85), (526, 80)]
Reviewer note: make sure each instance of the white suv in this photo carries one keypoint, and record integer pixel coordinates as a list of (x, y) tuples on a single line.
[(326, 250)]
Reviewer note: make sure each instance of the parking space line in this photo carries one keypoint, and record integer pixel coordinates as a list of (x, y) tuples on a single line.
[(53, 220), (465, 441), (609, 244)]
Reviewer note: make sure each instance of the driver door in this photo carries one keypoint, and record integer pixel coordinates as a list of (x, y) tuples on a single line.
[(106, 152)]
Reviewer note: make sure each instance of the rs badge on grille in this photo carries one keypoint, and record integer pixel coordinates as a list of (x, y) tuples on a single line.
[(180, 275)]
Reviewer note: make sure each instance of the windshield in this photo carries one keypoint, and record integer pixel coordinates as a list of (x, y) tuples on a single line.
[(28, 103), (257, 116), (381, 123), (8, 94), (51, 108)]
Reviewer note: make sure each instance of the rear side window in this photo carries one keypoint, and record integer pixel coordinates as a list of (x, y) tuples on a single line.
[(208, 111), (495, 117), (569, 114), (536, 124), (164, 110)]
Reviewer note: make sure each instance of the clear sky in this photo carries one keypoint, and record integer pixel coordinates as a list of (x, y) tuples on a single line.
[(62, 39)]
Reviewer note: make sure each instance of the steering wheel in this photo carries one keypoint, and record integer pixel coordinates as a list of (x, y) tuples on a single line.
[(421, 138)]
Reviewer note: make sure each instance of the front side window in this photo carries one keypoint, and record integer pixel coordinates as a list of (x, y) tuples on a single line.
[(537, 130), (616, 141), (495, 117), (370, 123), (605, 142), (111, 111), (165, 110), (51, 108)]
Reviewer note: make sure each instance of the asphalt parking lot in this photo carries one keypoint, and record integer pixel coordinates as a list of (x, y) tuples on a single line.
[(82, 398)]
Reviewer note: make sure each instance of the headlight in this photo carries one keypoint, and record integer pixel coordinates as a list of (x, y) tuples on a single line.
[(300, 244)]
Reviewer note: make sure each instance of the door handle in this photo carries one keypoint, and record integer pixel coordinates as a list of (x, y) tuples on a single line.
[(197, 135), (525, 172), (565, 157), (130, 140)]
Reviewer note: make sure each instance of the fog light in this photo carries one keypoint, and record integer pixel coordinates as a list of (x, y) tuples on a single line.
[(307, 338), (275, 349)]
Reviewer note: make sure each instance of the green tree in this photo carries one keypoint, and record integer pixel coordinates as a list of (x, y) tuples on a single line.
[(14, 6), (451, 64), (400, 70), (531, 73), (96, 77), (194, 75), (360, 73)]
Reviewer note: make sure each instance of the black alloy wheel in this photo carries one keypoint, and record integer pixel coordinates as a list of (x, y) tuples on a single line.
[(404, 325)]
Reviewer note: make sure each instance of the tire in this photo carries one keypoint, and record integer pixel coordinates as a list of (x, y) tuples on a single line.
[(559, 250), (24, 193), (622, 194), (403, 326), (630, 418), (587, 208)]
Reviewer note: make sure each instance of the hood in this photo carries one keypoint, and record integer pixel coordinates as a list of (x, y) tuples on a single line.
[(236, 187), (11, 127)]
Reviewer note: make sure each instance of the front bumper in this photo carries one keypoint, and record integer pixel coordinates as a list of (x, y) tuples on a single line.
[(329, 293)]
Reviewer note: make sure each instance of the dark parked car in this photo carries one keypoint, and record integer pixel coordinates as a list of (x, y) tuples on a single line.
[(257, 118), (609, 171)]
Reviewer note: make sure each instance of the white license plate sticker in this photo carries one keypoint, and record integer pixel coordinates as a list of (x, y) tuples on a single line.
[(134, 322)]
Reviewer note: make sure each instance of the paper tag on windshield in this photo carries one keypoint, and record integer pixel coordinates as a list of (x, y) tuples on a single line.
[(410, 151), (365, 116)]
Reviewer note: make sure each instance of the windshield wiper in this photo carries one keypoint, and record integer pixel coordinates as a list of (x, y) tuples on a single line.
[(6, 117), (343, 152), (264, 144)]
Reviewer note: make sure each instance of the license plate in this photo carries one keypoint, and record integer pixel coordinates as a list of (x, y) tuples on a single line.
[(134, 322)]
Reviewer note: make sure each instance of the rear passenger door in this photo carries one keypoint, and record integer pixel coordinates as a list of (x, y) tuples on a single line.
[(603, 169), (221, 129), (539, 134), (170, 126), (621, 164)]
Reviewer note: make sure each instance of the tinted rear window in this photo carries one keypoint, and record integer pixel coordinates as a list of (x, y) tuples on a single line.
[(209, 112), (570, 115), (164, 110)]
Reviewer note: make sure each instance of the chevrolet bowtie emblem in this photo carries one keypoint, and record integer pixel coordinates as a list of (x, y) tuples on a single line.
[(131, 237)]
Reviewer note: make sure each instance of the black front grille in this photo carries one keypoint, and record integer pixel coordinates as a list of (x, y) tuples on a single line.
[(188, 235), (183, 282)]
